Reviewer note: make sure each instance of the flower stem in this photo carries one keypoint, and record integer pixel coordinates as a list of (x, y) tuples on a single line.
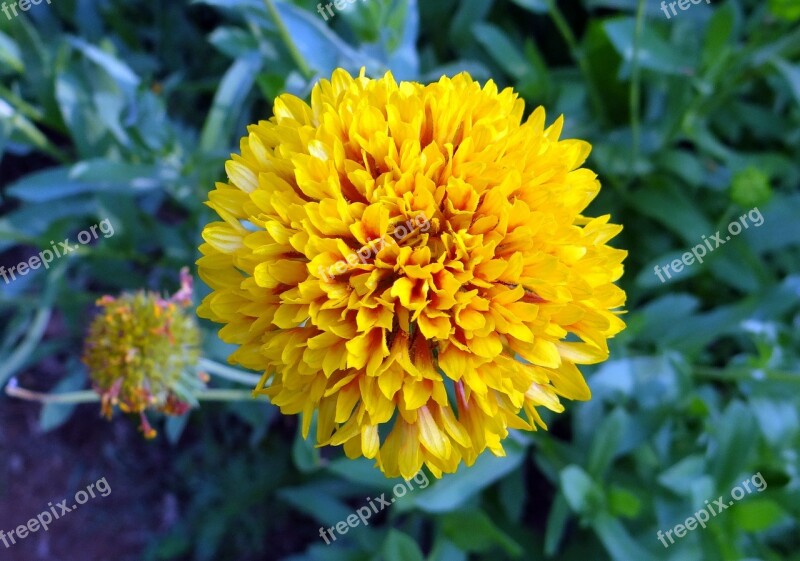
[(225, 395), (228, 373), (87, 396), (743, 374), (577, 54), (288, 41), (636, 88)]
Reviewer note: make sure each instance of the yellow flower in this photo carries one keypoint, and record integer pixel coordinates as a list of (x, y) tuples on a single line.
[(142, 352), (411, 263)]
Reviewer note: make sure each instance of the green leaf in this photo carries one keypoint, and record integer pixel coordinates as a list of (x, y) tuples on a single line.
[(319, 500), (501, 49), (622, 502), (106, 174), (757, 514), (512, 494), (617, 541), (785, 9), (73, 95), (59, 183), (233, 42), (10, 54), (467, 13), (400, 39), (557, 521), (734, 444), (778, 419), (5, 132), (34, 219), (684, 164), (684, 218), (791, 72), (605, 444), (361, 471), (322, 49), (445, 550), (650, 321), (719, 34), (474, 531), (174, 427), (739, 267), (18, 358), (54, 415), (114, 67), (228, 103), (535, 6), (653, 380), (304, 454), (651, 8), (19, 128), (679, 477), (400, 547), (583, 495), (780, 229), (454, 490), (655, 53)]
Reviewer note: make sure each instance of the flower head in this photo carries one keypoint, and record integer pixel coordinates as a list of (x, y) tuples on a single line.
[(141, 353), (411, 263)]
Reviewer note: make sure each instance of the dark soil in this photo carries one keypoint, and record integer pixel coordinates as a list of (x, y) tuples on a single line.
[(38, 469)]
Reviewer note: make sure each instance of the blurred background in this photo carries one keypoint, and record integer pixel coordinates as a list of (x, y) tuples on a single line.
[(128, 110)]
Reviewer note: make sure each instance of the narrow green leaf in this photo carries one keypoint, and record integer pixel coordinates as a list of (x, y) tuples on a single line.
[(54, 415), (501, 49), (113, 66), (556, 524), (734, 444), (655, 53), (617, 541), (304, 454), (10, 54), (583, 495), (535, 6), (474, 531), (606, 443), (227, 106), (400, 547), (454, 490)]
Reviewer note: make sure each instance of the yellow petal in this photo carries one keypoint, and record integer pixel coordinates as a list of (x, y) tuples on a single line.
[(430, 436), (370, 441)]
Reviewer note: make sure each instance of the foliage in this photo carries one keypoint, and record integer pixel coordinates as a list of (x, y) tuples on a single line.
[(127, 111)]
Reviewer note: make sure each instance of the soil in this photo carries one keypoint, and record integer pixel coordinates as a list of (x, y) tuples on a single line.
[(40, 468)]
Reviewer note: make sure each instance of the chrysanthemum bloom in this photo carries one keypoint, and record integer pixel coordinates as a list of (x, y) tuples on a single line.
[(427, 350), (142, 351)]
